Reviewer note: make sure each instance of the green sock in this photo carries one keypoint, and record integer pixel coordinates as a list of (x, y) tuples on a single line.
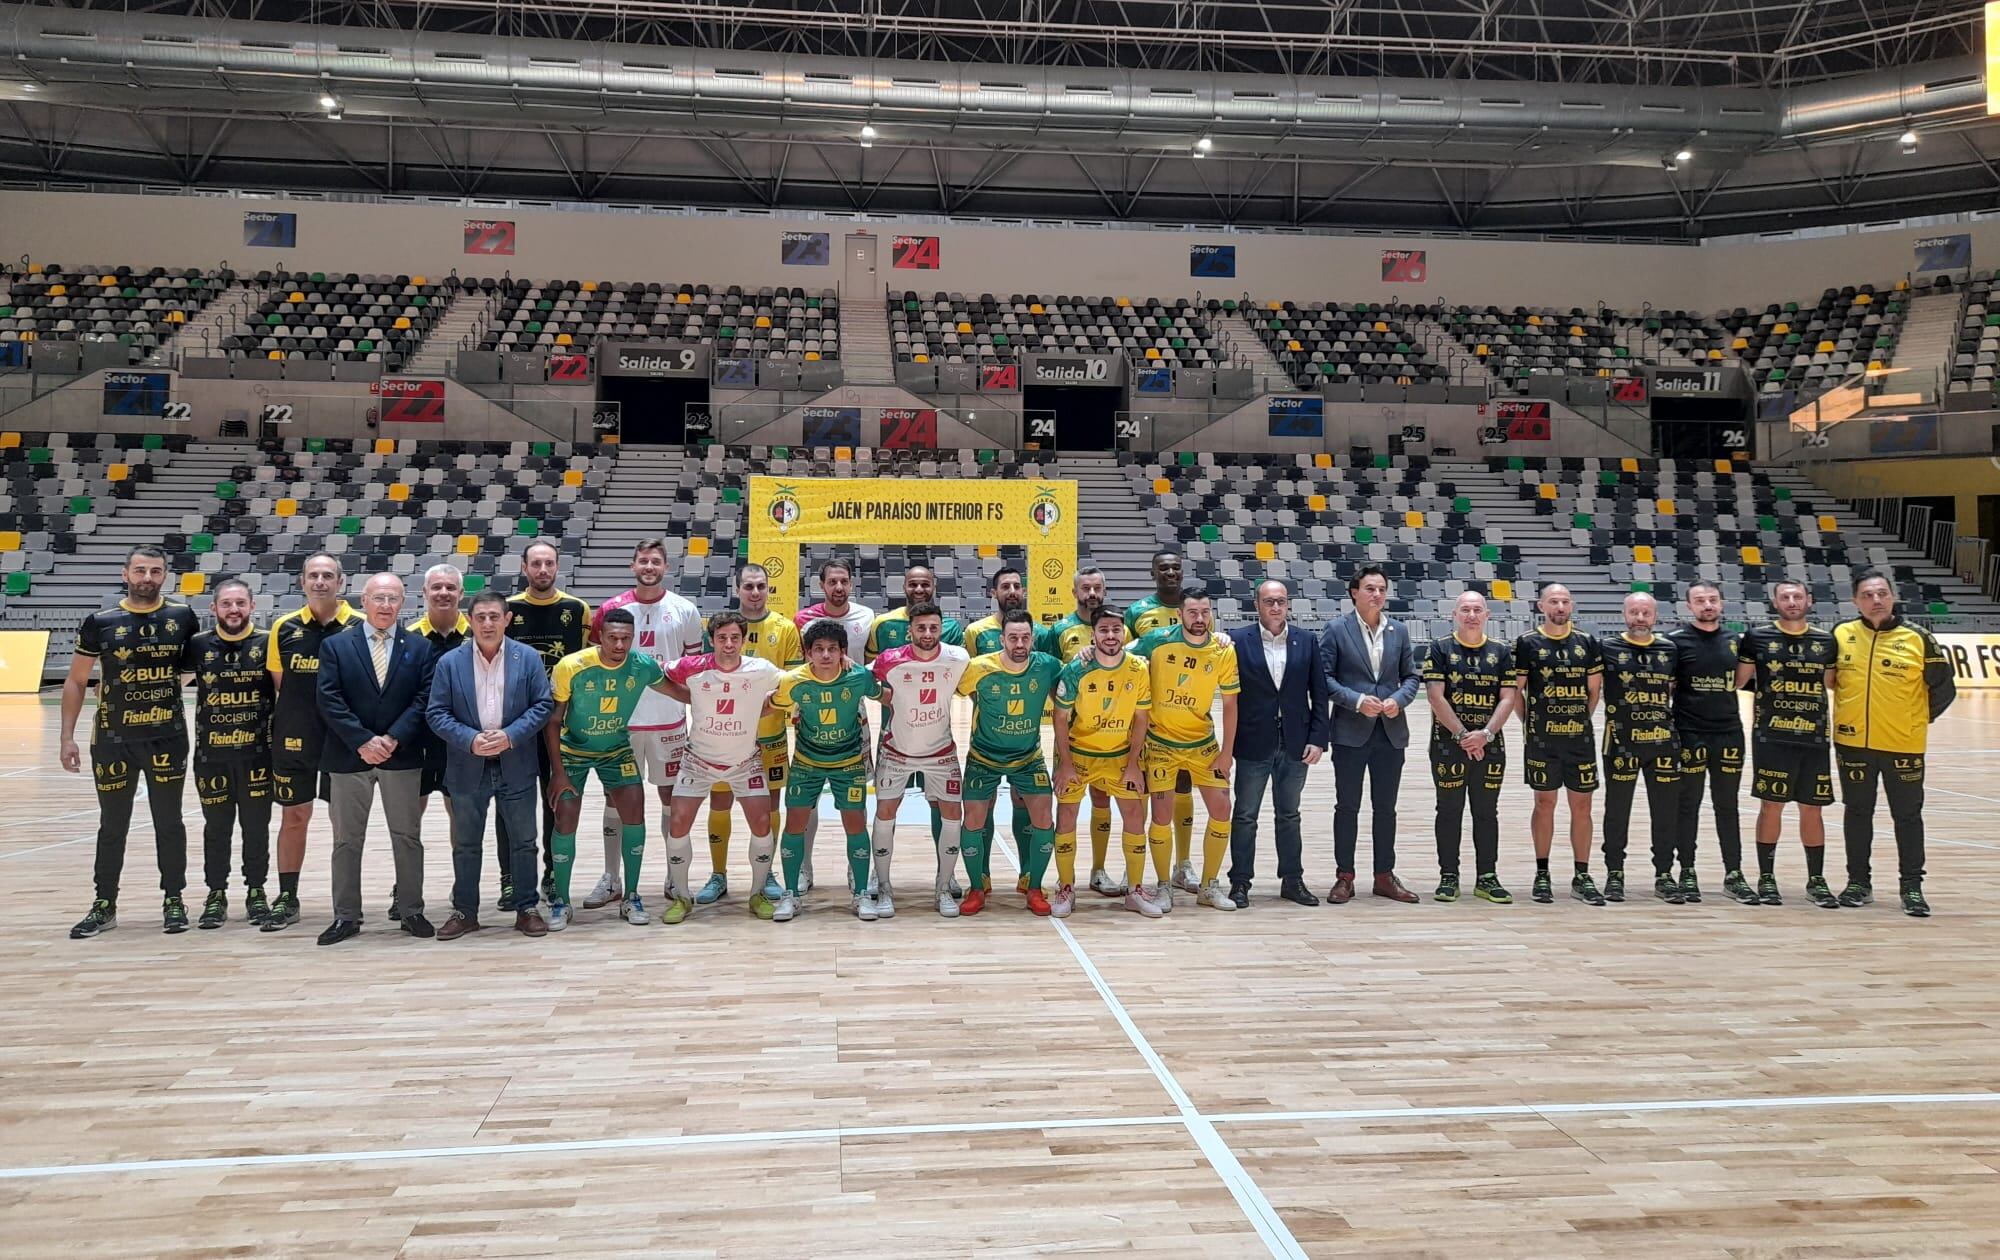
[(793, 847), (972, 847), (1024, 834), (1041, 846), (858, 853), (564, 847), (634, 842)]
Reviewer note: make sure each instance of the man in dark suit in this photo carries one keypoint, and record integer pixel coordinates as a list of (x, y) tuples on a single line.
[(1281, 729), (374, 683), (1371, 672), (489, 699)]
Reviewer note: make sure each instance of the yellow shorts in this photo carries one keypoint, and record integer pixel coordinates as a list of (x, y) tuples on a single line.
[(1165, 764), (1099, 772), (777, 761)]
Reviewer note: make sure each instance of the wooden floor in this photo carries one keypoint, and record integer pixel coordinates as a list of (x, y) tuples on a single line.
[(1378, 1080)]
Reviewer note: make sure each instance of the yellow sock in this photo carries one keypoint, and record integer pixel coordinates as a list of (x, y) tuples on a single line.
[(1214, 847), (1160, 837), (1183, 825), (1100, 835), (1066, 858), (718, 836), (1135, 859)]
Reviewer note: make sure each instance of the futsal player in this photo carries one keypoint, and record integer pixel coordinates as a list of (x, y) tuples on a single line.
[(1473, 689), (1789, 665), (1010, 689), (769, 637), (1639, 741), (836, 588), (556, 624), (1709, 725), (918, 681), (1064, 639), (823, 699), (1559, 674), (1191, 667), (892, 628), (1103, 701), (1159, 610), (232, 751)]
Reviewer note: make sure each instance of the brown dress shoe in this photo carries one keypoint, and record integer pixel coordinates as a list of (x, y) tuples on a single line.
[(1392, 888), (1343, 890), (531, 923), (456, 926)]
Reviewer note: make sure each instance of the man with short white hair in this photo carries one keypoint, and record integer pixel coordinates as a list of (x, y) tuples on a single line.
[(444, 626)]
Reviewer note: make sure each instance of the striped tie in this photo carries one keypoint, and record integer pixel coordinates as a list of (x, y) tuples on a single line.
[(381, 650)]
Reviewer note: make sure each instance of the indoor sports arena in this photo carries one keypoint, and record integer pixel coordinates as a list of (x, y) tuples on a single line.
[(491, 494)]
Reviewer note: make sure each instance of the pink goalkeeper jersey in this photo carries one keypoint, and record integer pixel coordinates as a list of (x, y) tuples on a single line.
[(723, 707), (857, 619), (917, 716), (666, 630)]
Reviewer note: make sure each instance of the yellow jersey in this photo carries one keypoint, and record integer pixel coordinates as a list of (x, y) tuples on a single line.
[(1103, 702), (1186, 680)]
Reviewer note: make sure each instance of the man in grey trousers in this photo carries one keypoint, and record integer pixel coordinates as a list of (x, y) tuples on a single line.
[(374, 684), (1372, 677)]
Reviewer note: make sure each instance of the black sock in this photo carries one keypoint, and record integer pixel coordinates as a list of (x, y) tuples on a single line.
[(1767, 858), (1541, 866), (288, 882), (1583, 868), (1815, 860)]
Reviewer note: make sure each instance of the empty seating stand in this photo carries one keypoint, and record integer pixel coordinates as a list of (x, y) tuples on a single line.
[(1525, 342), (139, 308), (319, 316), (55, 487), (1978, 349), (955, 328), (1807, 347), (1359, 343), (771, 323)]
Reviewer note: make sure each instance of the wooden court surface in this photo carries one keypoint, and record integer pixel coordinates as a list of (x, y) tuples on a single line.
[(1373, 1080)]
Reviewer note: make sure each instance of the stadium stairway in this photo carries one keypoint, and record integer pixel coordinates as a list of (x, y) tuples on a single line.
[(1248, 349), (1547, 553), (867, 355), (1648, 346), (637, 503), (1922, 358), (461, 316), (201, 337), (1461, 365), (1112, 530)]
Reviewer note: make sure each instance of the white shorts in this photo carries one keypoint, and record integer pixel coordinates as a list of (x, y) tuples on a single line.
[(698, 778), (658, 753), (941, 771)]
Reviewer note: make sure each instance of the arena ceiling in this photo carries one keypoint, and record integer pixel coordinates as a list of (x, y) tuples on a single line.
[(1503, 116)]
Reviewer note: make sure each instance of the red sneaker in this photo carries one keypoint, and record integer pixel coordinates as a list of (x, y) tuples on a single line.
[(972, 903), (1037, 902)]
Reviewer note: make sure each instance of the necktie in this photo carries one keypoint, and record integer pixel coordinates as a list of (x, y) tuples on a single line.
[(381, 650)]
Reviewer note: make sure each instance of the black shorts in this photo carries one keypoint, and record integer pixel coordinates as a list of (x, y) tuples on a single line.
[(1662, 765), (1570, 767), (1792, 774), (1451, 769), (298, 782), (220, 782)]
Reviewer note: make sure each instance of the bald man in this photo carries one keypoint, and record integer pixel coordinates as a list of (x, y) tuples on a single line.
[(1639, 739)]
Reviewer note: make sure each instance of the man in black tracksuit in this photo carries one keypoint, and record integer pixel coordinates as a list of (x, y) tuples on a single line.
[(1710, 727), (1639, 742)]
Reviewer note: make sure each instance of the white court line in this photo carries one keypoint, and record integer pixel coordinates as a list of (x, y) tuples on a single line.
[(675, 1141), (1970, 796)]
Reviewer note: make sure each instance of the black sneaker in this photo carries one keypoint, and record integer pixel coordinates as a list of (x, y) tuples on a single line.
[(1820, 894), (1914, 904), (506, 901), (1544, 890), (255, 907), (1767, 891), (283, 913), (1668, 889), (103, 917), (1614, 885), (1690, 889), (1488, 888), (173, 916), (1447, 889), (1738, 887), (1583, 888), (214, 911), (1856, 894)]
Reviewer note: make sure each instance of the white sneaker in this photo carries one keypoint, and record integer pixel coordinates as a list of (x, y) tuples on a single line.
[(864, 908), (1138, 903), (805, 881), (557, 917), (1102, 883), (885, 904), (1161, 895), (1215, 897), (606, 892), (634, 912), (786, 910), (1063, 902), (1185, 878), (947, 905)]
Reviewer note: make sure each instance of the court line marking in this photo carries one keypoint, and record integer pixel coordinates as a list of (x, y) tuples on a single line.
[(675, 1141)]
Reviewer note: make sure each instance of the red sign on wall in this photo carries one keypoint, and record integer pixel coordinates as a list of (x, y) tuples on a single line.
[(1000, 377), (914, 253), (1524, 421), (1629, 389), (572, 368), (908, 429), (1404, 266), (489, 236), (410, 402)]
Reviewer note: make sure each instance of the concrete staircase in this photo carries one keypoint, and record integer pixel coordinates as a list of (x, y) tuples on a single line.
[(434, 356), (867, 354), (1449, 351), (636, 504), (1646, 345), (201, 337), (1113, 533), (1546, 550), (1248, 349), (1925, 346)]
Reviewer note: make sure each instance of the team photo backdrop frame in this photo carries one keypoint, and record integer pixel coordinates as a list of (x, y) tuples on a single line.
[(787, 513)]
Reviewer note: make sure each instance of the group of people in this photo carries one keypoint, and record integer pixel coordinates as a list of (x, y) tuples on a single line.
[(509, 705)]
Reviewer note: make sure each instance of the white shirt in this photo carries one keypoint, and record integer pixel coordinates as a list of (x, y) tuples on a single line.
[(1274, 652), (489, 683), (666, 630), (917, 719), (1373, 638), (724, 706)]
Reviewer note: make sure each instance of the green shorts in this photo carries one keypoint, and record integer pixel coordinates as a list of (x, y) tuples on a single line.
[(1030, 778), (615, 769), (848, 783)]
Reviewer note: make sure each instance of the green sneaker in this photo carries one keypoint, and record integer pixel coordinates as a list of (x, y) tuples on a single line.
[(1767, 891), (1583, 888), (677, 911), (1914, 904), (283, 913), (1614, 885), (256, 908), (1447, 889), (761, 906), (1544, 890), (1820, 894), (1690, 888), (1855, 895), (214, 911), (102, 917), (173, 916), (1738, 887), (1488, 889), (1667, 889)]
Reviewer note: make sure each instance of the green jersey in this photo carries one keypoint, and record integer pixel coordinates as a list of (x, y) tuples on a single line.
[(832, 728), (601, 700), (1007, 707), (1066, 639), (1149, 614), (983, 637)]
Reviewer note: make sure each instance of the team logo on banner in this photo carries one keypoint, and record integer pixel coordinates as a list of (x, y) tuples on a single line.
[(489, 236), (1523, 421), (266, 230), (1404, 266), (804, 249), (135, 393), (1296, 417), (833, 426), (909, 429), (999, 377), (1212, 260), (914, 253), (1046, 512), (785, 509), (410, 402)]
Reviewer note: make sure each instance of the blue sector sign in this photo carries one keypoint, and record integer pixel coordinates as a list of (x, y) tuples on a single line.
[(1297, 417), (804, 249), (1212, 260), (134, 393), (268, 230), (1154, 380), (739, 373), (1944, 253), (833, 426)]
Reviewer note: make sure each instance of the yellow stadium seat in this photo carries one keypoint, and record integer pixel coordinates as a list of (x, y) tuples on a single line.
[(177, 317), (683, 299), (1381, 325), (1406, 380), (10, 540), (922, 358), (764, 321), (418, 280), (843, 452), (287, 507), (399, 492), (1753, 555), (1274, 306), (1741, 457), (276, 354), (1548, 490), (1824, 347), (1534, 321), (9, 440), (1642, 554), (1035, 308), (1722, 466), (402, 323), (58, 290), (590, 286), (31, 335), (1294, 346), (1828, 525), (1864, 299), (1665, 507), (1503, 589), (964, 327), (295, 296), (1605, 372), (117, 472), (1741, 343), (1413, 520), (1780, 328), (987, 551), (1267, 552), (697, 546), (1162, 486), (1902, 285), (1715, 356), (1876, 365), (1152, 353), (1628, 464), (1124, 301), (468, 544), (193, 583), (812, 356), (1576, 330), (564, 339), (1483, 350), (1322, 460), (573, 477), (1317, 502), (385, 446), (109, 282)]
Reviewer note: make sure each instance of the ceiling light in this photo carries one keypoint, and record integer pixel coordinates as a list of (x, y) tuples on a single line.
[(1204, 144), (1684, 155), (867, 131), (1909, 141), (327, 102)]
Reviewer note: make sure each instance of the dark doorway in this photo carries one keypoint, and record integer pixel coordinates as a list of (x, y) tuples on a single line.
[(655, 408), (1702, 428), (1086, 415), (1989, 518)]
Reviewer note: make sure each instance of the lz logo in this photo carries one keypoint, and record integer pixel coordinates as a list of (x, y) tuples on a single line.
[(725, 707), (927, 695)]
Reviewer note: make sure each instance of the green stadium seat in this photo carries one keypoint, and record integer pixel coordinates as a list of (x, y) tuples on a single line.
[(226, 490), (154, 442), (20, 583), (40, 455), (80, 505), (527, 527), (1364, 533), (541, 450), (348, 525), (732, 494), (1489, 553), (202, 544), (1211, 533), (1581, 520), (1463, 503)]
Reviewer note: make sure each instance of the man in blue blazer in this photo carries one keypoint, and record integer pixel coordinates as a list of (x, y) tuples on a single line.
[(1371, 671), (374, 682), (490, 697), (1281, 728)]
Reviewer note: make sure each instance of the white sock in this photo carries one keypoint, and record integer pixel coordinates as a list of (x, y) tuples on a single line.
[(812, 829), (761, 850), (680, 852), (947, 852), (885, 848), (614, 848)]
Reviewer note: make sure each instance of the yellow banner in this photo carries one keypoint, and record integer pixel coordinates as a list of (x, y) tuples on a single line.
[(1975, 659), (787, 513), (21, 655)]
